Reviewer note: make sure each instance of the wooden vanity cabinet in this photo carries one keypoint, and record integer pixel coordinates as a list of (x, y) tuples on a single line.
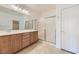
[(16, 42), (28, 38), (33, 36), (25, 39), (10, 43), (36, 36), (4, 44)]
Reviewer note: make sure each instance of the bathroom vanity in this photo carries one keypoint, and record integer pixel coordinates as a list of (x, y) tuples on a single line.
[(16, 40)]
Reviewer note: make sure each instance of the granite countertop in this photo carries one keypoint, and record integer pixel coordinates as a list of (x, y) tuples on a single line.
[(2, 33)]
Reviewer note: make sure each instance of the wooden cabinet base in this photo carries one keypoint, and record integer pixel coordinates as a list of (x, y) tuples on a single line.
[(13, 43), (34, 37)]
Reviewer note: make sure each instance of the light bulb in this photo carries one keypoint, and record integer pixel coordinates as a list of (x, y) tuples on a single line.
[(14, 7), (19, 9)]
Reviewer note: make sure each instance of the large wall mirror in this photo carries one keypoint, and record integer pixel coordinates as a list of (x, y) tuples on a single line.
[(30, 24)]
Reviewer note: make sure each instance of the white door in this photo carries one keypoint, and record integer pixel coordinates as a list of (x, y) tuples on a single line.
[(70, 29), (51, 29)]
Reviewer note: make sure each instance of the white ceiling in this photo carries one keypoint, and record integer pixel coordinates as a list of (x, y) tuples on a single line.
[(42, 8), (38, 9)]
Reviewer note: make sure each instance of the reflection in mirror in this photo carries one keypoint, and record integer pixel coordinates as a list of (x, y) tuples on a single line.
[(15, 25), (30, 24)]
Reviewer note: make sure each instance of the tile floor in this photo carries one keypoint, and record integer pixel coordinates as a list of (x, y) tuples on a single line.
[(42, 47)]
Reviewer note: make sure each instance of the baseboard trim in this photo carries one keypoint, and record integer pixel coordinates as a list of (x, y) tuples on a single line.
[(68, 51), (49, 42)]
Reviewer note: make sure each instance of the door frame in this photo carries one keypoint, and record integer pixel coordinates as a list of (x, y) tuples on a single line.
[(59, 9), (62, 21)]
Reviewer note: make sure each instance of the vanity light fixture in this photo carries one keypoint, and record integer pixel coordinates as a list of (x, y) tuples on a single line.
[(25, 11), (20, 9), (14, 7)]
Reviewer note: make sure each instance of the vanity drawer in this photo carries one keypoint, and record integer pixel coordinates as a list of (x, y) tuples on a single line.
[(26, 39), (24, 34), (34, 36), (26, 43)]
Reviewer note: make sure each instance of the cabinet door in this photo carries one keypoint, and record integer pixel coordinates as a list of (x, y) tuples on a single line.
[(26, 39), (34, 36), (16, 42), (5, 44)]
